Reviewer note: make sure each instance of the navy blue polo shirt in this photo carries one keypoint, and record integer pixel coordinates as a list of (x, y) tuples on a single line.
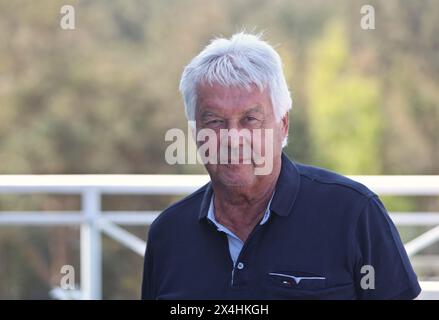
[(327, 237)]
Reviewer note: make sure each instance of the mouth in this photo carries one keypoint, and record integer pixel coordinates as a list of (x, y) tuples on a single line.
[(241, 162), (239, 159)]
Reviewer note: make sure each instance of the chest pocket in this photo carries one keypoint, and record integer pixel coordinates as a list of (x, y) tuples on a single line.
[(305, 286)]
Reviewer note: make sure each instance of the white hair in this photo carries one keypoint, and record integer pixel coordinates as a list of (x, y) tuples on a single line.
[(243, 60)]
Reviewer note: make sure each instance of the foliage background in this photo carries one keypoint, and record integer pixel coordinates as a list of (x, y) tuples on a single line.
[(99, 99)]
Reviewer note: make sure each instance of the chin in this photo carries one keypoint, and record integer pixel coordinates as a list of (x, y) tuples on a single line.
[(236, 175)]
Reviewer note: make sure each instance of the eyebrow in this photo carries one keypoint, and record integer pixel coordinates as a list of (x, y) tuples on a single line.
[(208, 113), (257, 108)]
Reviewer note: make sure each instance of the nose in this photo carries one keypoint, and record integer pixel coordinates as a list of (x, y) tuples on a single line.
[(235, 135)]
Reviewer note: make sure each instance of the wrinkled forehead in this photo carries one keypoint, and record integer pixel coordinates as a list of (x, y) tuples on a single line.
[(232, 99)]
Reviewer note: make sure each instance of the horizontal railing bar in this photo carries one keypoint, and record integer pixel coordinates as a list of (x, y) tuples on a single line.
[(108, 190), (110, 184), (147, 217), (42, 218), (74, 217), (410, 185), (130, 218), (415, 218), (429, 285)]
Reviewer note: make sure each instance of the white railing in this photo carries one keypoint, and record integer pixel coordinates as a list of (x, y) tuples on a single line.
[(93, 221)]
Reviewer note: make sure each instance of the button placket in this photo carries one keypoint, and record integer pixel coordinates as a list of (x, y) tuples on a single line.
[(240, 265)]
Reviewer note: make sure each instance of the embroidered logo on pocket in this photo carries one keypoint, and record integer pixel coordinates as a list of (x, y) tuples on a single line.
[(297, 280)]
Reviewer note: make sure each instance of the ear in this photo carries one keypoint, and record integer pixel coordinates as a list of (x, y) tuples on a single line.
[(285, 124)]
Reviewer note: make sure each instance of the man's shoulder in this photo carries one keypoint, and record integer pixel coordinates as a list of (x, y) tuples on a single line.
[(321, 177)]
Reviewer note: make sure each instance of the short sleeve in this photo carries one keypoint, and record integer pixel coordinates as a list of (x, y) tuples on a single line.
[(382, 267)]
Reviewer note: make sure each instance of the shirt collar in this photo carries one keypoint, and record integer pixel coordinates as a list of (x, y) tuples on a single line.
[(211, 213), (285, 194)]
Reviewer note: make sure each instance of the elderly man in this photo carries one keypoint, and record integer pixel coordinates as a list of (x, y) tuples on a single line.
[(295, 232)]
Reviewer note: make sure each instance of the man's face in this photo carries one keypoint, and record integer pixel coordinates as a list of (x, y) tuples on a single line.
[(245, 111)]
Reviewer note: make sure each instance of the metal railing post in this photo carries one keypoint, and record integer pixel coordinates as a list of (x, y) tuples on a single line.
[(91, 246)]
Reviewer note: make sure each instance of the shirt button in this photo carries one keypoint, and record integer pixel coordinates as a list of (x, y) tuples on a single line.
[(240, 266)]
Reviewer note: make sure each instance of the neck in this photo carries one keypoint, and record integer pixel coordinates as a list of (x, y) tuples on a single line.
[(241, 208)]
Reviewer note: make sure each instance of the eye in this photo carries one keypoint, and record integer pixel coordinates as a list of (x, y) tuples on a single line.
[(250, 119), (215, 122)]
